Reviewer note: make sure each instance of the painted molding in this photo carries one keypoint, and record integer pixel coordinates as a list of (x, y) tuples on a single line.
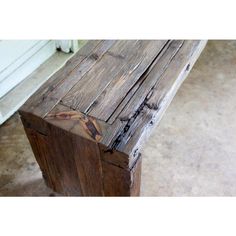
[(67, 46)]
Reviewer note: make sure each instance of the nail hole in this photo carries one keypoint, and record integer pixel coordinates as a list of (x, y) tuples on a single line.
[(188, 67)]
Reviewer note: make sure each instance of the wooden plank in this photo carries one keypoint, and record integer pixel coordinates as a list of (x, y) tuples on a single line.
[(76, 75), (82, 95), (139, 129), (89, 167), (162, 95), (70, 78), (177, 71), (124, 62), (81, 124), (84, 66), (121, 182), (125, 101), (42, 101), (97, 129), (79, 161), (41, 147), (104, 106), (55, 161), (63, 154), (150, 81)]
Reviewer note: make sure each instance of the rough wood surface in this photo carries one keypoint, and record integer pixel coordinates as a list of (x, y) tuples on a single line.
[(122, 182), (87, 124), (65, 78), (142, 118)]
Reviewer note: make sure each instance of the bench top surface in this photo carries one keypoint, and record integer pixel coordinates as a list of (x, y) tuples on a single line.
[(112, 91)]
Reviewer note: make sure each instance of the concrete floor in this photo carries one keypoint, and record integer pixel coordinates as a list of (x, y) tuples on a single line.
[(191, 153)]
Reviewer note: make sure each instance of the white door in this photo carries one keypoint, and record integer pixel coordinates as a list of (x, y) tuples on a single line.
[(19, 58)]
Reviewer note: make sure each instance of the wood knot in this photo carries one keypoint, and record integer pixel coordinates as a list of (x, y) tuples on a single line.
[(92, 129), (89, 124)]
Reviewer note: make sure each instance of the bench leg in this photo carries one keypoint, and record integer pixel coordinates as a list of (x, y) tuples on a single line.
[(73, 166), (121, 182)]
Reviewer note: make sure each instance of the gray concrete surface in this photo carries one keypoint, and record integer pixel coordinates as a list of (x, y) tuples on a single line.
[(191, 153)]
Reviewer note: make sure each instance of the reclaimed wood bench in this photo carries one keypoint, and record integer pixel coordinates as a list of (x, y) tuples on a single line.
[(87, 123)]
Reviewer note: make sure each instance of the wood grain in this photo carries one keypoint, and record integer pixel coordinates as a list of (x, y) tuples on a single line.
[(87, 125), (40, 145), (122, 182), (154, 106), (107, 102), (63, 80), (62, 155)]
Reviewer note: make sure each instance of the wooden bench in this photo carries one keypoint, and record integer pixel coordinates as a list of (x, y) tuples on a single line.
[(87, 123)]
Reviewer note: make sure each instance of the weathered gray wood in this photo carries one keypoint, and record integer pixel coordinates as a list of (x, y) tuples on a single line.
[(101, 90), (64, 79), (162, 94), (145, 90), (82, 95), (117, 89), (87, 124)]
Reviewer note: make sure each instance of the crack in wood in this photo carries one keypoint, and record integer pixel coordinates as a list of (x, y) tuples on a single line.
[(155, 107), (130, 121), (115, 55), (139, 82)]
